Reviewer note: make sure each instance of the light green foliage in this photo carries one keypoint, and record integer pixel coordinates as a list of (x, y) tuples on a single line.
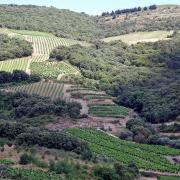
[(149, 157), (31, 33), (46, 89), (51, 69), (15, 64), (7, 162)]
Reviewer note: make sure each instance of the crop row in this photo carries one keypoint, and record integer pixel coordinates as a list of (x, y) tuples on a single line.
[(45, 89), (108, 110), (15, 64), (44, 45), (40, 57), (145, 156), (50, 69)]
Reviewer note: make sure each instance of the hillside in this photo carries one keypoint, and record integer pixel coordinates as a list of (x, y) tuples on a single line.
[(68, 24)]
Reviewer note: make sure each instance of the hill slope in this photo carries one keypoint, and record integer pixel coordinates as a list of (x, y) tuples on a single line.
[(68, 24)]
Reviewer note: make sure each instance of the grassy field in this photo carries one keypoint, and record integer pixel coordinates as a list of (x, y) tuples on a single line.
[(45, 89), (15, 64), (108, 110), (134, 38), (52, 70), (168, 178), (149, 157)]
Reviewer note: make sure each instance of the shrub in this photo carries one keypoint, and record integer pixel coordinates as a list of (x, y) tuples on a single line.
[(25, 159)]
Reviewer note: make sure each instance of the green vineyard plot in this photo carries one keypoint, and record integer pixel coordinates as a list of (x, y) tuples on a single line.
[(44, 45), (15, 64), (148, 157), (108, 110), (52, 69), (45, 89)]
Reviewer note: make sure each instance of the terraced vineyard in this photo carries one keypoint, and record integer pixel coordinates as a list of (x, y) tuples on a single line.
[(45, 89), (51, 69), (148, 157), (44, 45), (10, 65), (108, 110)]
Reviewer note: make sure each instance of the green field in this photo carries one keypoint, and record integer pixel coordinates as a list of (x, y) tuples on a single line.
[(134, 38), (168, 178), (148, 157), (45, 89), (52, 69), (31, 33), (14, 64), (108, 110)]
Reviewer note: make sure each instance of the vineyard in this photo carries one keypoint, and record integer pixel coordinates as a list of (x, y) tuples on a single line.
[(148, 157), (108, 110), (40, 58), (45, 89), (15, 64), (50, 69), (44, 45)]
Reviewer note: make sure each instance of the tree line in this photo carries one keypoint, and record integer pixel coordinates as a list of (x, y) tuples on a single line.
[(131, 10), (21, 105)]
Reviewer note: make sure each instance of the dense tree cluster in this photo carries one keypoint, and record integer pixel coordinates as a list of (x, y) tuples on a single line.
[(141, 132), (11, 48), (16, 76), (23, 105), (23, 134), (117, 172), (144, 77), (131, 10)]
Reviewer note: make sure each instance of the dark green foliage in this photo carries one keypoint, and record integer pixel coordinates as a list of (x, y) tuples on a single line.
[(11, 48), (11, 130), (22, 105), (170, 128), (16, 76), (55, 140), (118, 171), (25, 159)]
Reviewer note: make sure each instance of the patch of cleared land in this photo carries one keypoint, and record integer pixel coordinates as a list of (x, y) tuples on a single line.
[(134, 38)]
